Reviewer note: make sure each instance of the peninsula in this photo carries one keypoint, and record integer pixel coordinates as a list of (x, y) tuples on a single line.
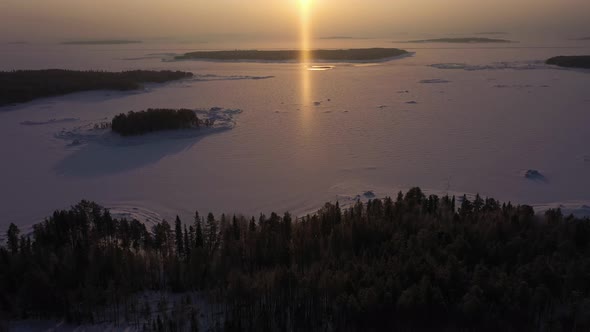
[(20, 86), (575, 61)]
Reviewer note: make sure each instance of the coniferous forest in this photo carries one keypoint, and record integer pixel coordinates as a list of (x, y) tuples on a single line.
[(20, 86), (411, 263), (142, 122)]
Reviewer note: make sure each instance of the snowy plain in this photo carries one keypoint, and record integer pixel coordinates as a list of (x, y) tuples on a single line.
[(451, 119)]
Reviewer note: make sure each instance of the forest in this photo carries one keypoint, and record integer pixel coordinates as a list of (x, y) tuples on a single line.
[(575, 61), (143, 122), (366, 54), (409, 263), (20, 86)]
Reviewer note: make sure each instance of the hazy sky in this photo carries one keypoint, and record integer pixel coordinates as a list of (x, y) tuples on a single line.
[(71, 19)]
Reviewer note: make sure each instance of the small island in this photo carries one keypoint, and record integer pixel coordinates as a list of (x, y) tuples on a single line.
[(576, 61), (151, 120), (469, 40), (366, 54), (102, 42), (21, 86)]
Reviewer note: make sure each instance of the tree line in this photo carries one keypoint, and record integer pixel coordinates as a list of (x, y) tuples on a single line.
[(20, 86), (410, 263)]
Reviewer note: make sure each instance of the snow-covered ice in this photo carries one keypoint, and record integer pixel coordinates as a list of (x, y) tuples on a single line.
[(474, 138), (50, 121)]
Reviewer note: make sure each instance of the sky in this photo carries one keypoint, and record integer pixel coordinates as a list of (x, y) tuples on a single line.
[(33, 20)]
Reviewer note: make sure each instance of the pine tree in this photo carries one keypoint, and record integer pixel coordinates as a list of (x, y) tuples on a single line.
[(288, 224), (199, 239), (252, 225), (12, 238), (179, 238), (187, 243), (191, 235), (211, 233), (235, 228)]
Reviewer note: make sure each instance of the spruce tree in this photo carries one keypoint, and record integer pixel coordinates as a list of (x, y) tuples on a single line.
[(179, 238), (12, 238), (199, 239), (211, 233)]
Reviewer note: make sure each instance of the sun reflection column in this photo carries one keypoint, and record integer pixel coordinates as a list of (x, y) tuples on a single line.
[(305, 48)]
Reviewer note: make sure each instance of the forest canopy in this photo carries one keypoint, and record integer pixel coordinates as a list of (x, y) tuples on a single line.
[(414, 262), (25, 85)]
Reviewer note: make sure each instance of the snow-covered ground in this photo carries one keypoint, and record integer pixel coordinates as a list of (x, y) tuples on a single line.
[(142, 309), (450, 119)]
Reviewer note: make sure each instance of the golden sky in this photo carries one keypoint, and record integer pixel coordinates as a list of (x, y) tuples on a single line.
[(67, 19)]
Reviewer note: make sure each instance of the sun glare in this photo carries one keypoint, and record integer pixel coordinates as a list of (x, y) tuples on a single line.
[(304, 47)]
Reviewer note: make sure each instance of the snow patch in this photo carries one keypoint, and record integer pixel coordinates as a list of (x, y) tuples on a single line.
[(128, 212)]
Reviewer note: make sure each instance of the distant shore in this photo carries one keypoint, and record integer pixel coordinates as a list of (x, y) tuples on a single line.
[(470, 40), (367, 54), (102, 42)]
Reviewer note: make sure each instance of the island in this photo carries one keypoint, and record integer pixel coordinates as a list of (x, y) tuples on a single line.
[(143, 122), (25, 85), (468, 40), (364, 54), (102, 42), (575, 61)]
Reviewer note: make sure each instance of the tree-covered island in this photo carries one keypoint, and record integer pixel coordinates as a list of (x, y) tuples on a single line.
[(366, 54)]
